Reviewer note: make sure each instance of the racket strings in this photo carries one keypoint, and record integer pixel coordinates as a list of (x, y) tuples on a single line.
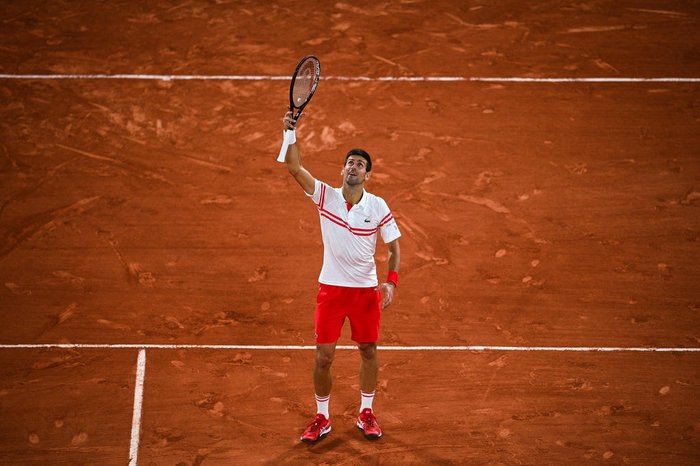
[(304, 84)]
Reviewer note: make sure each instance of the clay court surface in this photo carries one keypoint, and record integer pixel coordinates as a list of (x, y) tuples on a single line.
[(550, 240)]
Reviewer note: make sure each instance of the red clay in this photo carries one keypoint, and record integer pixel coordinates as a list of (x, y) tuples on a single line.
[(153, 212)]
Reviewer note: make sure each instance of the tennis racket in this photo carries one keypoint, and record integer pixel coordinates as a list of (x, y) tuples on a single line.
[(302, 88)]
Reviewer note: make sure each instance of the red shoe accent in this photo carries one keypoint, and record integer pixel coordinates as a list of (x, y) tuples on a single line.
[(367, 422), (318, 429)]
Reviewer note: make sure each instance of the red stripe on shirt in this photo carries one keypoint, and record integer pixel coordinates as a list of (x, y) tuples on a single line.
[(354, 231), (323, 195), (389, 217), (338, 219), (341, 222)]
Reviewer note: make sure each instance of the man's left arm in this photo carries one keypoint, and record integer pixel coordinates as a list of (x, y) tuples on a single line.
[(387, 288)]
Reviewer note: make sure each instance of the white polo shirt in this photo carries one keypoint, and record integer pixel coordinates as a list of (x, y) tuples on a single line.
[(350, 237)]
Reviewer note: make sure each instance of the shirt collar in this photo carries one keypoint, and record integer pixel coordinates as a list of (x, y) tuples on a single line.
[(363, 199)]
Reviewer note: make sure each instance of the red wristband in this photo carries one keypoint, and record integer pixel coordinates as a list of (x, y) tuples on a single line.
[(393, 277)]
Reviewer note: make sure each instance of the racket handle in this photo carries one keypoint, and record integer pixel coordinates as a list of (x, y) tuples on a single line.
[(283, 152)]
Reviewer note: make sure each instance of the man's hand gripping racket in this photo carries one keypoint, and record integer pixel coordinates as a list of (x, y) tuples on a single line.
[(301, 89)]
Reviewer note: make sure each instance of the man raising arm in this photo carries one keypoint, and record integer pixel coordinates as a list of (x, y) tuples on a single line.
[(348, 286)]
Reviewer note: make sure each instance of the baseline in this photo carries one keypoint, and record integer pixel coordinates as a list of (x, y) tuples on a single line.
[(173, 77), (604, 349)]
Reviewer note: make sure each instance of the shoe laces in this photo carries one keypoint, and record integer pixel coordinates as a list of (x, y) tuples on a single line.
[(369, 419), (318, 421)]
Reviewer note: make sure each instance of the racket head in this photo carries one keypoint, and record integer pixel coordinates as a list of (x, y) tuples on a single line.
[(304, 82)]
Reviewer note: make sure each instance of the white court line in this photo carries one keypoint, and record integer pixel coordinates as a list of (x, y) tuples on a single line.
[(606, 349), (191, 77), (138, 401)]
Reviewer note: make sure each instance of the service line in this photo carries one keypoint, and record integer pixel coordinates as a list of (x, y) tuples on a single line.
[(194, 77), (481, 348)]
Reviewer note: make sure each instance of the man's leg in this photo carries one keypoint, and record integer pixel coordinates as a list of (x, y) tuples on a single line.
[(323, 382), (369, 367), (321, 424), (369, 372)]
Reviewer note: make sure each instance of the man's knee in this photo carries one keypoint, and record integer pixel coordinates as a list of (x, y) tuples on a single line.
[(368, 350), (324, 359)]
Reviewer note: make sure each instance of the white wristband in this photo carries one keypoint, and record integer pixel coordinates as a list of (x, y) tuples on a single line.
[(290, 136)]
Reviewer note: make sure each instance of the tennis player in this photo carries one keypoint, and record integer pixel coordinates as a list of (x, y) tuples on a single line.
[(348, 287)]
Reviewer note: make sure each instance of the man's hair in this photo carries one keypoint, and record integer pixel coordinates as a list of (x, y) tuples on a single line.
[(362, 154)]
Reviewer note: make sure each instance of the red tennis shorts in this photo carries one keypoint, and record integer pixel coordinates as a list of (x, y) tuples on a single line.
[(362, 306)]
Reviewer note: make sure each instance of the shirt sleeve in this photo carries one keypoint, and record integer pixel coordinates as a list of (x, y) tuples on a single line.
[(319, 192), (388, 226)]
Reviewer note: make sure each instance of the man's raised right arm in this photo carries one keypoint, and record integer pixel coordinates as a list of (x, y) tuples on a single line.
[(293, 160)]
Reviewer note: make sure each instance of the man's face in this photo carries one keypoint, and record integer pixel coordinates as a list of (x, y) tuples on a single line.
[(355, 170)]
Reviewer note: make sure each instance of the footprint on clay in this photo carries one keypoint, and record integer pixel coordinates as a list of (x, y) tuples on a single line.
[(421, 154), (499, 363), (433, 176), (503, 433), (269, 371), (168, 435), (79, 439), (241, 358), (581, 385), (347, 127), (218, 199), (328, 137), (17, 290), (136, 273), (664, 270), (640, 319), (260, 274), (211, 403), (576, 168), (112, 325), (484, 179), (172, 323), (316, 41), (179, 364), (68, 278), (433, 106)]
